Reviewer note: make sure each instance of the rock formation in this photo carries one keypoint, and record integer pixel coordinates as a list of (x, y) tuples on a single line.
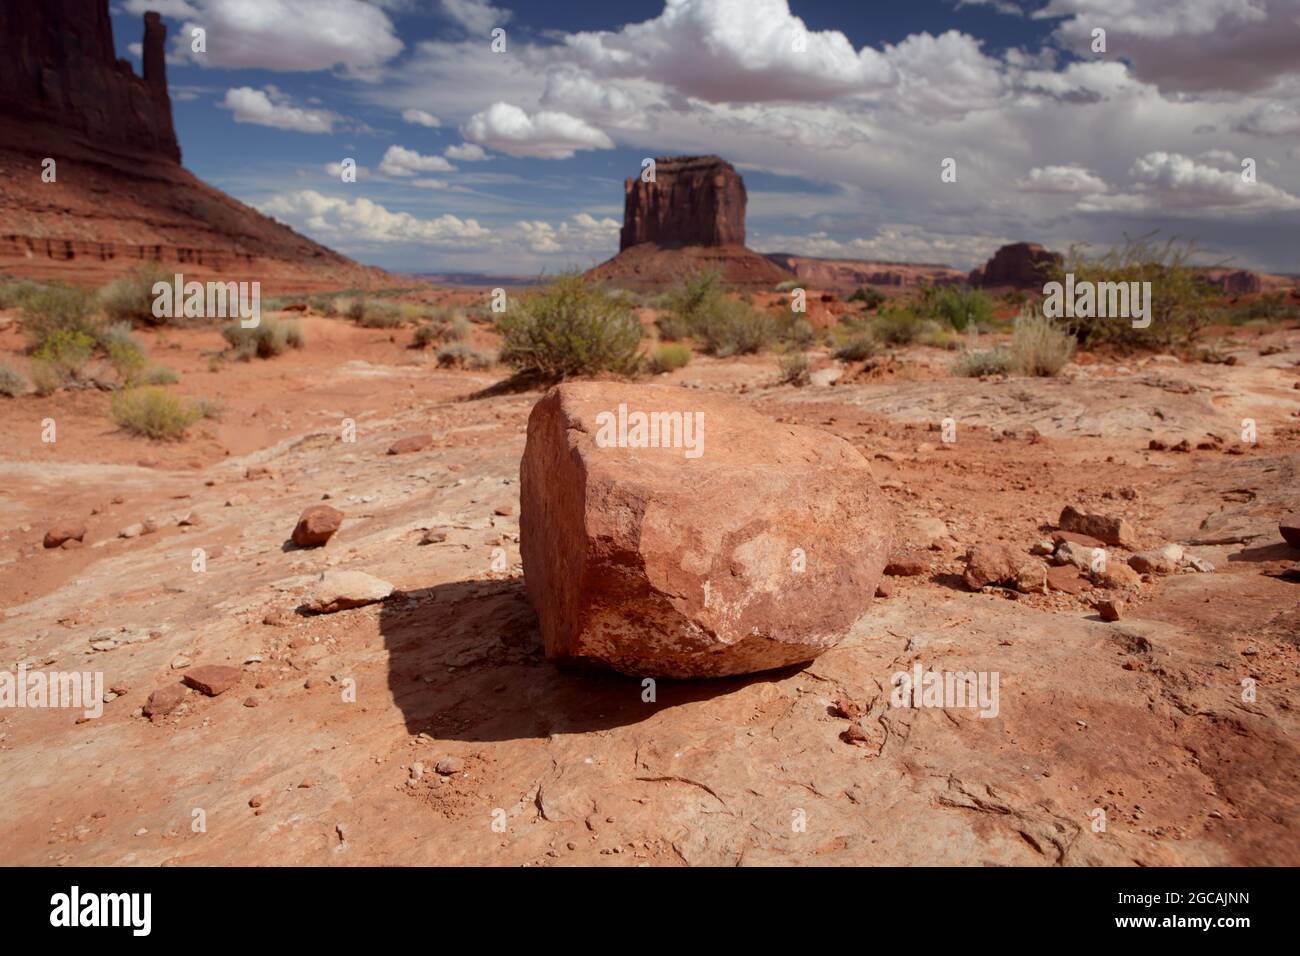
[(120, 196), (694, 201), (691, 217), (743, 546), (1021, 265), (58, 66)]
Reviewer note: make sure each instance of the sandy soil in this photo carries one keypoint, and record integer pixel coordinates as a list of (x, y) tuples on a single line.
[(1143, 717)]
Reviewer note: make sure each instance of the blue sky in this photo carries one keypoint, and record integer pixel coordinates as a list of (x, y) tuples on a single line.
[(837, 115)]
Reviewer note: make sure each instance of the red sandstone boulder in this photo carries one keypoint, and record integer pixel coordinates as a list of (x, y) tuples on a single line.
[(63, 532), (316, 525), (409, 443), (1105, 528), (1289, 528), (758, 547)]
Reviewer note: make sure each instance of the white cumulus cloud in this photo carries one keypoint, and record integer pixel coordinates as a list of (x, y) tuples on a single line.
[(329, 217), (421, 118), (544, 135), (269, 107), (400, 161)]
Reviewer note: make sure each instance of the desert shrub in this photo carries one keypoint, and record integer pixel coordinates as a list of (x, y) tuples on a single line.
[(430, 333), (958, 306), (730, 327), (1181, 301), (209, 408), (153, 412), (669, 358), (870, 296), (898, 325), (59, 308), (124, 351), (1270, 307), (64, 355), (14, 294), (270, 337), (688, 299), (325, 305), (12, 383), (789, 285), (857, 347), (46, 379), (991, 362), (459, 329), (159, 375), (793, 367), (796, 331), (130, 298), (1038, 345), (461, 355), (933, 335), (672, 327), (376, 314), (570, 327)]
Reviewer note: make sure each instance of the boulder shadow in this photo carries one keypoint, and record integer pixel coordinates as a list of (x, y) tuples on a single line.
[(466, 662), (1277, 551)]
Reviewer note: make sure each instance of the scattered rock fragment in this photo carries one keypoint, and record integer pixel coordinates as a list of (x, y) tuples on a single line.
[(1110, 610), (1106, 528), (132, 530), (410, 443), (1067, 579), (341, 590), (990, 563), (1157, 561), (449, 766), (212, 679), (63, 532), (164, 700), (316, 525), (905, 564)]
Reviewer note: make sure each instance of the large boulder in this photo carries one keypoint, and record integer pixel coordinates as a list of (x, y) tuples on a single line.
[(727, 543)]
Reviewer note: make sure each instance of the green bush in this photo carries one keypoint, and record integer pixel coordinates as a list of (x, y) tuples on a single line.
[(64, 354), (159, 375), (270, 337), (959, 307), (730, 327), (696, 293), (1038, 345), (570, 327), (58, 308), (669, 358), (459, 329), (872, 297), (898, 325), (130, 298), (460, 355), (1182, 302), (431, 333), (14, 294), (153, 413), (795, 330), (125, 353), (12, 383), (794, 368)]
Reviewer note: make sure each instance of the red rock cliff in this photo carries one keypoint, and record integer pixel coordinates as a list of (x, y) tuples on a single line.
[(58, 66), (1023, 265), (694, 201)]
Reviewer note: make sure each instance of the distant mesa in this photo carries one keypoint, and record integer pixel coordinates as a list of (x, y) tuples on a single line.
[(692, 216), (846, 275), (120, 196), (1020, 265)]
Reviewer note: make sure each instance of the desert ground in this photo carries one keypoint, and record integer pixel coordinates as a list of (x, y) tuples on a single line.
[(428, 728)]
